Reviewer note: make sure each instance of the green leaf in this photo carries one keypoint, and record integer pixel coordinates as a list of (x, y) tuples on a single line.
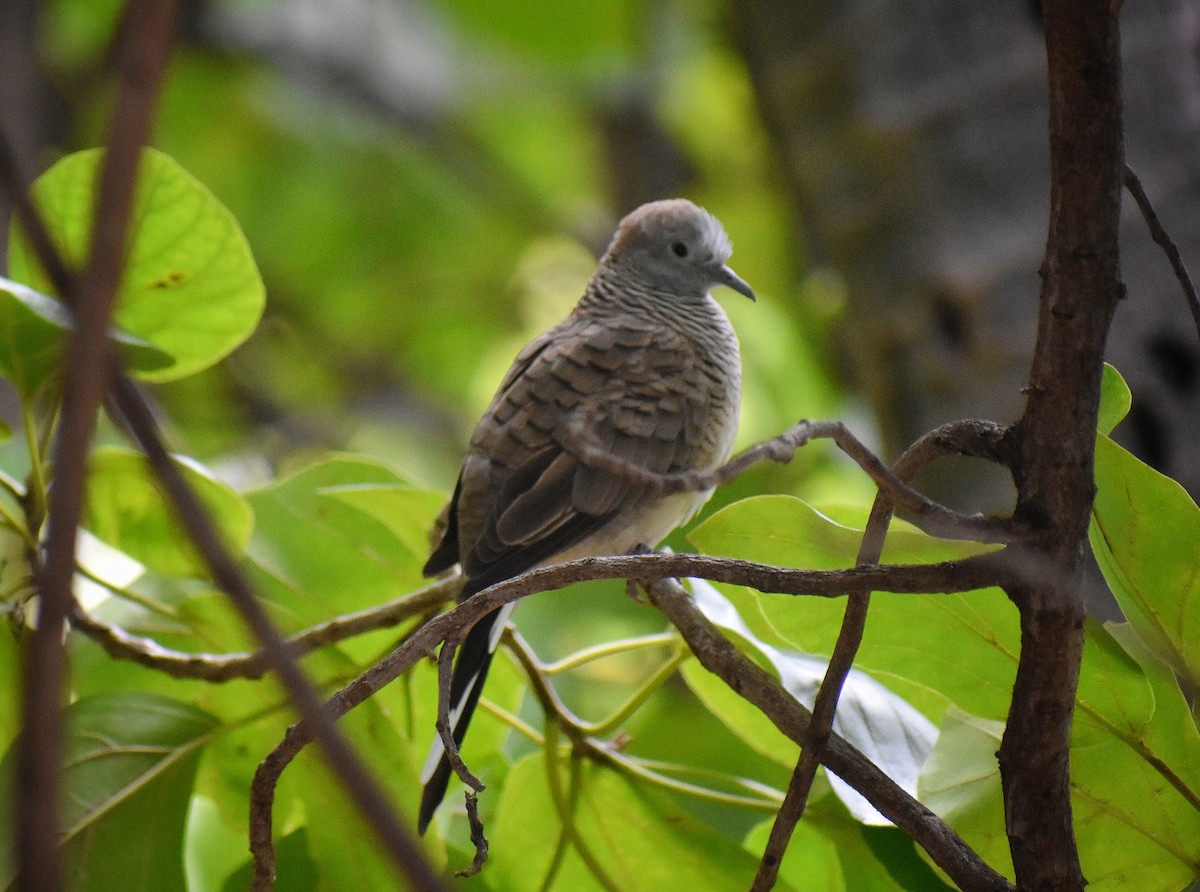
[(1115, 400), (338, 839), (403, 509), (812, 859), (294, 867), (961, 782), (33, 334), (190, 287), (638, 838), (787, 531), (977, 634), (214, 849), (127, 509), (130, 764), (1135, 763), (315, 554), (884, 727), (1144, 532)]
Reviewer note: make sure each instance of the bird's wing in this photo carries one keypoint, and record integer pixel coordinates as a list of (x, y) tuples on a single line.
[(525, 496), (446, 550)]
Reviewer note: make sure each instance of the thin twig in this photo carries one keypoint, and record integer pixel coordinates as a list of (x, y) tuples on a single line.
[(930, 516), (444, 728), (753, 683), (477, 837), (977, 438), (123, 645), (1164, 241), (143, 63), (952, 576)]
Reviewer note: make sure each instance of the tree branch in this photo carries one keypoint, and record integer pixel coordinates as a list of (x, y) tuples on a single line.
[(1056, 435), (755, 685), (1159, 234), (961, 438), (933, 518), (122, 645), (952, 576), (143, 63)]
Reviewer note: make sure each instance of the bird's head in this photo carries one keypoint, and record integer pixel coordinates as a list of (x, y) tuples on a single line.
[(674, 247)]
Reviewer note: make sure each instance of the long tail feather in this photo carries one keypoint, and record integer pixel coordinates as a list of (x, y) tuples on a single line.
[(466, 685)]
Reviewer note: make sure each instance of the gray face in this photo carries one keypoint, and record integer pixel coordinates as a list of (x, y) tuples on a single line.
[(675, 247)]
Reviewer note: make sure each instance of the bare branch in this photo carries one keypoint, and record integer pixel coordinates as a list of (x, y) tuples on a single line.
[(966, 437), (753, 683), (1159, 234), (965, 575), (930, 516), (444, 728), (122, 645), (143, 63), (477, 838)]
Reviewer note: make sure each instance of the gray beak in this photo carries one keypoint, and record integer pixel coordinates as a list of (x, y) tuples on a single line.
[(726, 276)]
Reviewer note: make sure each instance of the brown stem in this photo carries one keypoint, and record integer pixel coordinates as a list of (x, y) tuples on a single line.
[(122, 645), (758, 687), (1164, 241), (1055, 437), (143, 63), (981, 439)]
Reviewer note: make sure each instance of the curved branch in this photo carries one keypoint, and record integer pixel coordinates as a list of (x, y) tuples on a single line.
[(977, 438), (754, 684), (123, 645), (1159, 234), (951, 576), (932, 517)]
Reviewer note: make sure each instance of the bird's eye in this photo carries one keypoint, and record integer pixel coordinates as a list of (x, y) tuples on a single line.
[(679, 249)]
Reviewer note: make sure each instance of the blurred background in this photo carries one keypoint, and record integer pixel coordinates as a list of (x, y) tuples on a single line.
[(426, 184)]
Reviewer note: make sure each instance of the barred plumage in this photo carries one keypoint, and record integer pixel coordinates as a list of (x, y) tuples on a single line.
[(647, 368)]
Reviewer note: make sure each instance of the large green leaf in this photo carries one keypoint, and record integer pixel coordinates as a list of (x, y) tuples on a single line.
[(639, 839), (315, 553), (931, 650), (127, 509), (190, 286), (403, 509), (130, 763), (1135, 760), (33, 333), (1145, 532)]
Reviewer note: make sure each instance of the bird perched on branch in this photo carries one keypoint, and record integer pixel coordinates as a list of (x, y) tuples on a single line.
[(646, 367)]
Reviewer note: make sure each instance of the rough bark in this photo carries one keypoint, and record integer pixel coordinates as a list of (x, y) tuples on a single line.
[(1056, 435)]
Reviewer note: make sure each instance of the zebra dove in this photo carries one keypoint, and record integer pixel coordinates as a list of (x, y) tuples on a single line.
[(647, 366)]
